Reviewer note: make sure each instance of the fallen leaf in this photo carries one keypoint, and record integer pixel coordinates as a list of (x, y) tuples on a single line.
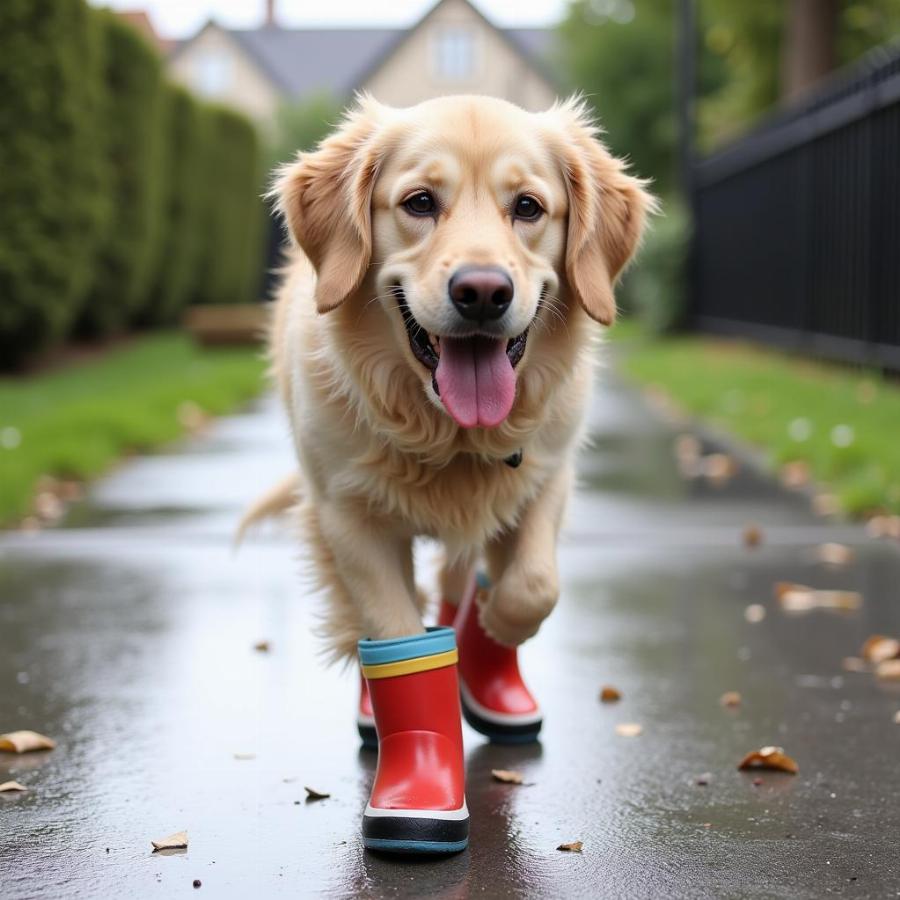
[(48, 506), (826, 505), (244, 756), (688, 451), (878, 648), (687, 448), (313, 794), (752, 535), (783, 587), (609, 694), (853, 664), (769, 758), (795, 474), (25, 741), (507, 776), (262, 646), (191, 416), (177, 841), (755, 613), (71, 490), (889, 670), (12, 786), (31, 525), (629, 729), (574, 847), (835, 554), (718, 468), (883, 526), (730, 698), (802, 598)]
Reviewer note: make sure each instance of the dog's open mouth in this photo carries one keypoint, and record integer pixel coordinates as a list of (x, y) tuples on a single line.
[(474, 376)]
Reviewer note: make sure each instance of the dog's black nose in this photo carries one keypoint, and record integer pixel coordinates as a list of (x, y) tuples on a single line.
[(481, 294)]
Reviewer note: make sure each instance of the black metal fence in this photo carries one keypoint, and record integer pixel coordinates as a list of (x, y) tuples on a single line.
[(797, 231)]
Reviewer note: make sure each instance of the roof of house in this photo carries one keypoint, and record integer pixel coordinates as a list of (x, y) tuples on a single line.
[(140, 20), (536, 42), (299, 60), (336, 60)]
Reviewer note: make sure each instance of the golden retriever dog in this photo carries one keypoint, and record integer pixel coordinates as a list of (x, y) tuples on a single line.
[(434, 345)]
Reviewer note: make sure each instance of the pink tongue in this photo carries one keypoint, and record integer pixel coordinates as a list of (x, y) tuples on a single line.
[(476, 380)]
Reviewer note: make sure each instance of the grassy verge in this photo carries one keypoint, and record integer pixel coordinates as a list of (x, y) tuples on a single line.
[(75, 422), (844, 424)]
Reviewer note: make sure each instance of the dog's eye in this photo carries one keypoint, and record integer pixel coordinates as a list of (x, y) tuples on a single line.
[(527, 207), (420, 204)]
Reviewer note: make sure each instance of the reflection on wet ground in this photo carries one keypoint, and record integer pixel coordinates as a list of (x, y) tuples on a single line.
[(128, 636)]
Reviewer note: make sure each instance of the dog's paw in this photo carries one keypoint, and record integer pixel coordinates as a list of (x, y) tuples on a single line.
[(518, 604)]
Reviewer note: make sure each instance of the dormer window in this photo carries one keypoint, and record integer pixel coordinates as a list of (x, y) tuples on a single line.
[(454, 58)]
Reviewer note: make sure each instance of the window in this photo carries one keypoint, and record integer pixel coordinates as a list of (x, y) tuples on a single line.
[(455, 56), (213, 73)]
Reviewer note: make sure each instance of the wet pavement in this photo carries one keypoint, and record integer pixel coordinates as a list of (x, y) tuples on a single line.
[(128, 635)]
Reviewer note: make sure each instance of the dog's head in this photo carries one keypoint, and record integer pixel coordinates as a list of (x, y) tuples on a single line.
[(476, 225)]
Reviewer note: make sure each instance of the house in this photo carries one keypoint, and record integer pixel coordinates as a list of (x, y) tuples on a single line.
[(452, 49)]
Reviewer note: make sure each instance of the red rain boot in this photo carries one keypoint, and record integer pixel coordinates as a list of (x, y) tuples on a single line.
[(418, 802), (365, 718), (446, 613), (495, 699)]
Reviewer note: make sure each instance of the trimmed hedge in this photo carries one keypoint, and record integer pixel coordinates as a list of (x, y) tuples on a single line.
[(134, 141), (122, 198), (54, 187), (229, 266), (183, 207)]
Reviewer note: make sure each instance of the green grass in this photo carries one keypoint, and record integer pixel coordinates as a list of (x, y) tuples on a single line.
[(790, 408), (76, 421)]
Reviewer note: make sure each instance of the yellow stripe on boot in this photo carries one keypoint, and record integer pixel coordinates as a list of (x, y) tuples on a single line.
[(409, 666)]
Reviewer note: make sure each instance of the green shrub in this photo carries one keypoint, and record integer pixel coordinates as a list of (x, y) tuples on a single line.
[(53, 173), (300, 126), (133, 136), (654, 289), (183, 205), (121, 197), (230, 265)]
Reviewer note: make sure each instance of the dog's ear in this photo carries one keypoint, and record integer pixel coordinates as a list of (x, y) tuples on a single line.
[(325, 198), (607, 211)]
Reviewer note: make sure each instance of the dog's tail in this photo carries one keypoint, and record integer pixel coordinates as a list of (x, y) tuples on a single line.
[(278, 499)]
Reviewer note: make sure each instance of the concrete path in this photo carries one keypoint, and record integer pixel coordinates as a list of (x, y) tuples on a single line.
[(129, 634)]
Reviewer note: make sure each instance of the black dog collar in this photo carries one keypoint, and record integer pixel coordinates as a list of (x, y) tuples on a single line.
[(515, 460)]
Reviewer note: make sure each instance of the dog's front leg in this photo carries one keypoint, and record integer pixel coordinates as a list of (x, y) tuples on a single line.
[(372, 563), (522, 566)]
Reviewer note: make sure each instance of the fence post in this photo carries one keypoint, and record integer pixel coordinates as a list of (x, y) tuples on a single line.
[(686, 82)]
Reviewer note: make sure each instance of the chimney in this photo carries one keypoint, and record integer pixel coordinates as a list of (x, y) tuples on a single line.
[(270, 14)]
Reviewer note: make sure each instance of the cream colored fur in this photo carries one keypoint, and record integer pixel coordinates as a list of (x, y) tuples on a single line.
[(381, 460)]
